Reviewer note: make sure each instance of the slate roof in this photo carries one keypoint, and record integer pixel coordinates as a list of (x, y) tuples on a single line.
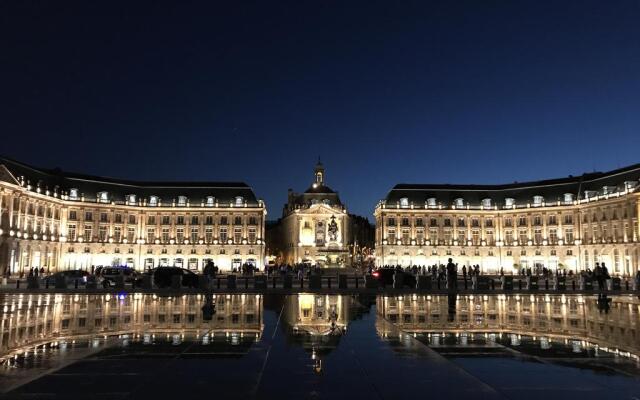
[(551, 189), (89, 186)]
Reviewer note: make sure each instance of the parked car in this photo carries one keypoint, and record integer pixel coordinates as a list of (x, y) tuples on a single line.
[(70, 277), (385, 277), (162, 276), (109, 275)]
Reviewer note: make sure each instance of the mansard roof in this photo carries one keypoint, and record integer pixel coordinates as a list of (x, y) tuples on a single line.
[(551, 190), (89, 186)]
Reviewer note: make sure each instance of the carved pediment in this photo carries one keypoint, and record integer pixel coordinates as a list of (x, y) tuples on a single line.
[(321, 209)]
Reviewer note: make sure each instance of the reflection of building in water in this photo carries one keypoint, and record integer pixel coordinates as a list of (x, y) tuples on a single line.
[(534, 315), (29, 320)]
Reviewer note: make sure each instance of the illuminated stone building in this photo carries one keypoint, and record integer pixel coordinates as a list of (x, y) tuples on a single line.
[(60, 220), (569, 223), (315, 226)]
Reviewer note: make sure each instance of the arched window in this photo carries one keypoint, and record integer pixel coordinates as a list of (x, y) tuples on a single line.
[(153, 201), (538, 200), (404, 202), (486, 203), (239, 201), (211, 201), (103, 197), (509, 202), (182, 201), (131, 199), (73, 194)]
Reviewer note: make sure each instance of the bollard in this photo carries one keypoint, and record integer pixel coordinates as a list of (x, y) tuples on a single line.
[(342, 281), (438, 283), (301, 283), (465, 284), (357, 283), (626, 284), (493, 284), (329, 281), (75, 284), (274, 282), (218, 283), (573, 284), (18, 284), (546, 284), (46, 283), (246, 283), (519, 284)]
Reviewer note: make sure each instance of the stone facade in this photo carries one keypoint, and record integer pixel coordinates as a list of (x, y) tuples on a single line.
[(563, 223), (62, 221)]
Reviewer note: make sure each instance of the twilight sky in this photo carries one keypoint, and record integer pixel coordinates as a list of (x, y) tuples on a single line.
[(384, 91)]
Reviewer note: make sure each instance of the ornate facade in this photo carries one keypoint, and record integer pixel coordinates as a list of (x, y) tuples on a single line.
[(569, 223), (59, 220), (315, 226)]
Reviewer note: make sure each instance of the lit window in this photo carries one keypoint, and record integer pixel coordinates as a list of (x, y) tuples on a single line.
[(459, 202), (239, 200), (431, 202), (404, 202), (509, 202), (153, 201), (589, 194), (73, 194), (182, 201), (538, 200), (131, 199), (568, 198), (211, 201), (486, 203), (103, 197)]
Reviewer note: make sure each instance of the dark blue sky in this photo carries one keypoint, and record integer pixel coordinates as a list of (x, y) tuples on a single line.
[(385, 92)]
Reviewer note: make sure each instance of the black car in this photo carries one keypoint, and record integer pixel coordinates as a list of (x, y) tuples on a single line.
[(385, 277), (70, 277), (162, 277)]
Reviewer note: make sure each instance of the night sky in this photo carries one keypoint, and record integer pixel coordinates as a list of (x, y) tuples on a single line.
[(384, 92)]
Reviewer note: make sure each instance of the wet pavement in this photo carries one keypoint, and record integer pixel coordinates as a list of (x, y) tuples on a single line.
[(318, 346)]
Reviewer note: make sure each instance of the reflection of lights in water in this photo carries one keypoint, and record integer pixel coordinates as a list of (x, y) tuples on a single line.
[(205, 340), (177, 340), (63, 345), (545, 343), (95, 342), (122, 296), (576, 346), (235, 339), (492, 338), (515, 340), (464, 339), (125, 340), (435, 339), (146, 339)]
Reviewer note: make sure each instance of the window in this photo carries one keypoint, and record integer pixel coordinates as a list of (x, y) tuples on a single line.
[(208, 220), (180, 220), (131, 234), (88, 233), (237, 220), (153, 201), (508, 237), (420, 236), (490, 238), (88, 216), (208, 235), (568, 219), (194, 220), (523, 237), (537, 220), (252, 221), (180, 235), (118, 218), (404, 202), (102, 233), (537, 201), (475, 222), (211, 201), (166, 220), (252, 235), (568, 235), (223, 221), (486, 203), (552, 220), (151, 235), (459, 202), (462, 236), (103, 197), (433, 222), (522, 220), (433, 235), (405, 222), (117, 234), (553, 236), (405, 237), (508, 222), (165, 235), (488, 223), (132, 219), (131, 199), (151, 220), (182, 201), (194, 235), (509, 202), (71, 232), (447, 222), (391, 236), (104, 217), (223, 234), (391, 222), (431, 202), (73, 194), (419, 222), (475, 237), (73, 215), (537, 236), (460, 221), (239, 201), (237, 235)]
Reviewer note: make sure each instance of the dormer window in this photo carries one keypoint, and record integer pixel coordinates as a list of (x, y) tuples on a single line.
[(326, 202), (182, 201), (630, 185), (73, 194), (459, 202), (431, 202), (486, 203), (537, 201), (404, 202), (589, 194), (211, 201), (239, 201), (153, 201), (103, 197), (131, 199), (608, 189), (568, 198), (509, 202)]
